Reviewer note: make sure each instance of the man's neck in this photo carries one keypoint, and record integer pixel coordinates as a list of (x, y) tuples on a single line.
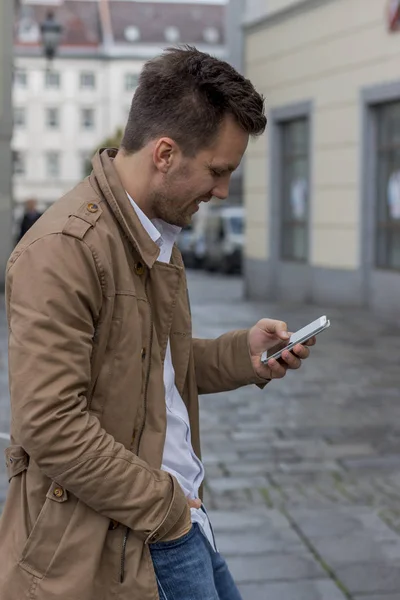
[(133, 175)]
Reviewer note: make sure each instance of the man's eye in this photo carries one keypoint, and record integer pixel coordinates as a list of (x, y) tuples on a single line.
[(216, 173)]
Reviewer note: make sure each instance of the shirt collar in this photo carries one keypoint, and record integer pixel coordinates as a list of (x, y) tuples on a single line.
[(153, 232), (157, 229)]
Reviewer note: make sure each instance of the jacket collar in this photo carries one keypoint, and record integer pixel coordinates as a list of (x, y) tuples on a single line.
[(118, 201)]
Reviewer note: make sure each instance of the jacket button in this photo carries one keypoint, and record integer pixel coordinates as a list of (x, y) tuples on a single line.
[(92, 207), (58, 492), (143, 353), (139, 268)]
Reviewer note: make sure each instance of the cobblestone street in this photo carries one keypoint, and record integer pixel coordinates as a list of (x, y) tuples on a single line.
[(303, 478)]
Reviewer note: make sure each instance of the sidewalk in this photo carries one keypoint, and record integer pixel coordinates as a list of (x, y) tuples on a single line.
[(303, 478)]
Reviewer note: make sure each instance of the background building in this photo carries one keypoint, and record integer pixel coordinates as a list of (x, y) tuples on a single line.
[(6, 20), (63, 113), (323, 189)]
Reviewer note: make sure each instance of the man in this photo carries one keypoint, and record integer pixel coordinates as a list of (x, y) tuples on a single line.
[(31, 215), (104, 466)]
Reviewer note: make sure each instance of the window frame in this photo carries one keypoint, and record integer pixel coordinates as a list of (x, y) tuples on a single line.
[(22, 156), (383, 155), (84, 86), (22, 110), (17, 81), (288, 158), (47, 80), (85, 127), (277, 117), (57, 120), (49, 174)]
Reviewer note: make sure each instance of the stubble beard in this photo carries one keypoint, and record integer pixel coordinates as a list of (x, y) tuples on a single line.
[(166, 208)]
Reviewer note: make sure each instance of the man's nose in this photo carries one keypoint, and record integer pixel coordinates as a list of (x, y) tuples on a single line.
[(221, 191)]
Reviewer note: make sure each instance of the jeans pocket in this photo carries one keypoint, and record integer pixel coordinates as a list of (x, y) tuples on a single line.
[(174, 543)]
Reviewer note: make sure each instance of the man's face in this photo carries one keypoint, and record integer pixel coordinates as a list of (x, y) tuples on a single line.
[(179, 191)]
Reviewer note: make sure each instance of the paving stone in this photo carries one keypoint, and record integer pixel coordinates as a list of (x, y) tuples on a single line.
[(222, 457), (301, 590), (236, 483), (357, 548), (256, 518), (370, 578), (276, 567), (257, 542), (369, 597), (309, 466), (339, 521), (260, 468), (373, 462)]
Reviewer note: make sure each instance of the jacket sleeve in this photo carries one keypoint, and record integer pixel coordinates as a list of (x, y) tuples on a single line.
[(224, 364), (54, 297)]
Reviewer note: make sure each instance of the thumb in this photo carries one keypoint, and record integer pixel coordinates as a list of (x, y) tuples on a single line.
[(274, 327)]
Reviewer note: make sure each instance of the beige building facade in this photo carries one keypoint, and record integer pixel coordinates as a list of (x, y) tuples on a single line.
[(322, 188), (6, 120)]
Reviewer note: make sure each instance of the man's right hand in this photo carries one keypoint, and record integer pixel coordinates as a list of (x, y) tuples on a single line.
[(185, 524)]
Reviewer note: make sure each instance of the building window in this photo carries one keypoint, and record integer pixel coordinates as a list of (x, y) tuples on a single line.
[(87, 118), (388, 186), (131, 81), (21, 78), (294, 189), (19, 117), (52, 118), (87, 80), (52, 80), (53, 164), (19, 166)]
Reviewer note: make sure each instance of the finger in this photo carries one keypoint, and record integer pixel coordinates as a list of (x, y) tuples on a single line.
[(277, 370), (291, 360), (194, 503), (301, 351), (311, 342)]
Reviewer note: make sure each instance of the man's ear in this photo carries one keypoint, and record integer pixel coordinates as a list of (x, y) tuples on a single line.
[(164, 153)]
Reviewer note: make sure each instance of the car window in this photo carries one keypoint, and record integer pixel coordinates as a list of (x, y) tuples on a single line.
[(236, 225)]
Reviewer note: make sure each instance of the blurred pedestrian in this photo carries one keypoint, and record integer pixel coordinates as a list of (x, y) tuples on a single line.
[(104, 467), (30, 216)]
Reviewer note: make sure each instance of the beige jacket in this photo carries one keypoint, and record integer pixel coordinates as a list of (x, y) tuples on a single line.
[(90, 311)]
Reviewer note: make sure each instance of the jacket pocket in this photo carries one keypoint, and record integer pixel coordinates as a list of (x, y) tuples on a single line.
[(48, 531), (17, 461)]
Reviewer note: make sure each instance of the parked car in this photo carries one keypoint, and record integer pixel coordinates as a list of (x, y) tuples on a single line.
[(191, 243), (224, 239)]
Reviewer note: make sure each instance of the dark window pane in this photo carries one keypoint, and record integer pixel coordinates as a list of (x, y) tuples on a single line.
[(294, 190), (388, 187)]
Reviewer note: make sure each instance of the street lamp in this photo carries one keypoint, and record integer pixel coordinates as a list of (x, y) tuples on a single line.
[(51, 32)]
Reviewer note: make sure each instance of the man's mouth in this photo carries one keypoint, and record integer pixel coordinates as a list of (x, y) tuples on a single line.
[(200, 200)]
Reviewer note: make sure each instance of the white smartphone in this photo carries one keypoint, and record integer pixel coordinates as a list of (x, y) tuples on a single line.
[(300, 337)]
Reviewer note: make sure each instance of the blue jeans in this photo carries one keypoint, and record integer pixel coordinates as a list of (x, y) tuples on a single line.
[(190, 569)]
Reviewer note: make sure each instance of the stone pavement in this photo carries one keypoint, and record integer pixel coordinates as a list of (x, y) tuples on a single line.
[(303, 478)]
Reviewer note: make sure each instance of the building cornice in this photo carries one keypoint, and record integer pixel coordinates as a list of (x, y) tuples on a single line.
[(269, 20), (113, 52)]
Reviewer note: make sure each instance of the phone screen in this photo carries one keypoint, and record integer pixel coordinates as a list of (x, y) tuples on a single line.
[(306, 332)]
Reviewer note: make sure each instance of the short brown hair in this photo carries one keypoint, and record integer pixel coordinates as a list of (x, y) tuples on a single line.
[(185, 94)]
